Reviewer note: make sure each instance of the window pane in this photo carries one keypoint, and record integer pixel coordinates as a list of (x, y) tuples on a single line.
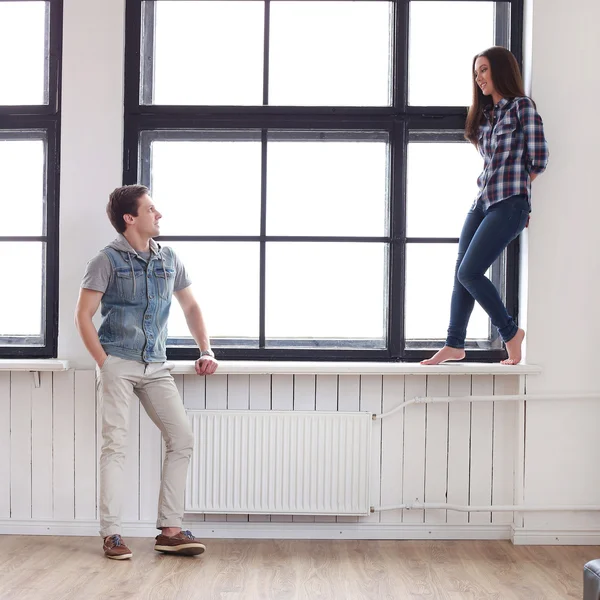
[(21, 311), (330, 53), (429, 281), (22, 169), (23, 53), (444, 38), (208, 52), (325, 185), (207, 187), (225, 279), (326, 291), (441, 185)]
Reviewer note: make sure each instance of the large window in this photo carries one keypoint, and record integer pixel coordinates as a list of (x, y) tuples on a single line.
[(30, 46), (308, 158)]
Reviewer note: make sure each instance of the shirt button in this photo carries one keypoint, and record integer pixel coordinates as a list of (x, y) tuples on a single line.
[(147, 317)]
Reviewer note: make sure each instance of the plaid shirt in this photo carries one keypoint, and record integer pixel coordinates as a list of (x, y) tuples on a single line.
[(513, 146)]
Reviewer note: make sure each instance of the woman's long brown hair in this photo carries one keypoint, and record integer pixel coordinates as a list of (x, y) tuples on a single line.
[(507, 80)]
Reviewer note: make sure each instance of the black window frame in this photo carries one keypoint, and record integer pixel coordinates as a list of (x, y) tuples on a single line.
[(401, 120), (37, 122)]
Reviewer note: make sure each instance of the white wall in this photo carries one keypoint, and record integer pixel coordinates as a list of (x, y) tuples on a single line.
[(564, 263), (50, 440), (91, 148)]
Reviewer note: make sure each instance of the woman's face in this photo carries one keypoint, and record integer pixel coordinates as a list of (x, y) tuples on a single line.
[(483, 76)]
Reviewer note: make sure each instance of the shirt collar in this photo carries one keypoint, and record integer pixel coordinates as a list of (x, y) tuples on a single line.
[(500, 105)]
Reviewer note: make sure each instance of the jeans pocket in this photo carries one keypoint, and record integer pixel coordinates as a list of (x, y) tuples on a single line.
[(524, 218), (520, 219)]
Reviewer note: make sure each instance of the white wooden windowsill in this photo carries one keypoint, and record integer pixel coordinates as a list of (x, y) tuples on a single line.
[(33, 364), (241, 367), (184, 367)]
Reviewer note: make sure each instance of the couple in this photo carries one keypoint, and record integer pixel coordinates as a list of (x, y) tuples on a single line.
[(134, 279)]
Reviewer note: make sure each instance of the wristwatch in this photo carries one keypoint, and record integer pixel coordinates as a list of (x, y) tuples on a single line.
[(206, 353)]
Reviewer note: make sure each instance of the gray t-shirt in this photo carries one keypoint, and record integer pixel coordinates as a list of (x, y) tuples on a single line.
[(99, 269)]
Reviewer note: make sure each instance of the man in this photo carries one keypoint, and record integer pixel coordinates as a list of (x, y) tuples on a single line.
[(134, 279)]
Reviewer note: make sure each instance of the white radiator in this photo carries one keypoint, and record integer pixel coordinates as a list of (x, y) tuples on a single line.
[(286, 462)]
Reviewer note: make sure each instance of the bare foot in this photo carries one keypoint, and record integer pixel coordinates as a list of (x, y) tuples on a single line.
[(445, 354), (513, 347)]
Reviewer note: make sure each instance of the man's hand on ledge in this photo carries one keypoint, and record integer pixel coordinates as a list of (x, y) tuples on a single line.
[(206, 365)]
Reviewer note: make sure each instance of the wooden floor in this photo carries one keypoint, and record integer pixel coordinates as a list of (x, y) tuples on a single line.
[(69, 568)]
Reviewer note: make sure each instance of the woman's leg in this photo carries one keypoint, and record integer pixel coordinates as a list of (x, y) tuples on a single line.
[(461, 305), (503, 222)]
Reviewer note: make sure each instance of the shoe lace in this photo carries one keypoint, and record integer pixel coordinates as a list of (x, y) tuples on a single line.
[(188, 534), (116, 540)]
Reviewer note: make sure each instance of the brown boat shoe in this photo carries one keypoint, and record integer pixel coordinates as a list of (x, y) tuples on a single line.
[(115, 548), (183, 543)]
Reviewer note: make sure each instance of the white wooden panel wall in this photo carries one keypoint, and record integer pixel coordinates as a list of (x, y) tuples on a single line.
[(5, 443), (49, 442)]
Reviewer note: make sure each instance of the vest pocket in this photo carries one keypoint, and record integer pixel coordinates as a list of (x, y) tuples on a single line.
[(130, 285), (165, 279)]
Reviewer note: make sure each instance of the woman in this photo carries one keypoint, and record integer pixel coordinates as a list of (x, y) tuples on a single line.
[(508, 132)]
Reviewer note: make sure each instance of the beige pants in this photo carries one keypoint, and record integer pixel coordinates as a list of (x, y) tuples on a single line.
[(119, 382)]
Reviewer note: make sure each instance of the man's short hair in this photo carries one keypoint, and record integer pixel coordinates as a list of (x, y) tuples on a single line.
[(124, 201)]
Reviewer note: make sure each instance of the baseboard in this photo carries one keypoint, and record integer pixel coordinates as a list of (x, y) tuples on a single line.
[(522, 536), (271, 530), (319, 531)]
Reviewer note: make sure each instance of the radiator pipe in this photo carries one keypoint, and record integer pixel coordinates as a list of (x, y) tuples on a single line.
[(501, 508), (500, 398)]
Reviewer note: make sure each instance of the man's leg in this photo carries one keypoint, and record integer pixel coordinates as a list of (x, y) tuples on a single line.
[(159, 397), (116, 382)]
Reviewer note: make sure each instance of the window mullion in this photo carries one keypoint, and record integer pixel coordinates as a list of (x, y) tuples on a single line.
[(147, 43), (267, 33), (400, 55), (263, 233), (397, 250), (502, 24)]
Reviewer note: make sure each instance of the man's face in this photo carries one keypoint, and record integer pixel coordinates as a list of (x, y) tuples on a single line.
[(147, 221)]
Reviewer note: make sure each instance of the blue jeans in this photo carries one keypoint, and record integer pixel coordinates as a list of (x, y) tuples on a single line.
[(485, 234)]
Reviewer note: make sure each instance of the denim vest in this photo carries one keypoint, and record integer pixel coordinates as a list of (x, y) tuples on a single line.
[(135, 306)]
